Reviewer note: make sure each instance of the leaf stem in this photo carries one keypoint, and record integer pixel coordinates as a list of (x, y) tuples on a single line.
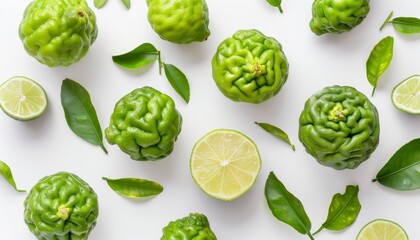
[(280, 9), (319, 230), (386, 21), (103, 148), (160, 62), (310, 236)]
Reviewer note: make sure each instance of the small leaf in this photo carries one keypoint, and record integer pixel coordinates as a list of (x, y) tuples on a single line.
[(80, 113), (134, 187), (276, 3), (277, 132), (127, 3), (285, 206), (139, 57), (6, 173), (99, 3), (401, 171), (343, 211), (379, 60), (406, 25), (178, 80)]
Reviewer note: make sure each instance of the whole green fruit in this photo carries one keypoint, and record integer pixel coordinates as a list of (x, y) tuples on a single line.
[(339, 127), (337, 16), (195, 226), (58, 32), (179, 21), (61, 206), (145, 124), (250, 67)]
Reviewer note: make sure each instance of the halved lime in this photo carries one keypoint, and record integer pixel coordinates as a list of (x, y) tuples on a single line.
[(225, 164), (22, 98), (406, 95), (382, 229)]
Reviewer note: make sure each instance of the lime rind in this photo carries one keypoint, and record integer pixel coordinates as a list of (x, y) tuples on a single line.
[(406, 95), (398, 229), (22, 98), (242, 189)]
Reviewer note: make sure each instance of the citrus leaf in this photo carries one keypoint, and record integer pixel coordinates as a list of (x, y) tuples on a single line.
[(127, 3), (379, 60), (6, 173), (99, 3), (277, 132), (80, 113), (343, 210), (139, 57), (285, 206), (401, 171), (276, 3), (178, 80), (134, 187), (406, 25)]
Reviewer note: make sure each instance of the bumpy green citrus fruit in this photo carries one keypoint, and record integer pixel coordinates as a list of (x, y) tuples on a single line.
[(179, 21), (58, 32)]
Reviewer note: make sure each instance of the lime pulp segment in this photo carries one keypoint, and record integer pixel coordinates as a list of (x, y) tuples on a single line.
[(382, 229), (406, 95)]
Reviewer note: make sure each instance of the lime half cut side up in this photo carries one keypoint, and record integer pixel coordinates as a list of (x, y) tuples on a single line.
[(225, 164), (22, 98), (382, 229), (406, 95)]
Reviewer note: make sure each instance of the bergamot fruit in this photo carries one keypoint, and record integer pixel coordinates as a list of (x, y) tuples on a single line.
[(58, 32), (179, 21)]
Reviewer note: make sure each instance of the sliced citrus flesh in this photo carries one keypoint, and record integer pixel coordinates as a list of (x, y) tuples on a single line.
[(22, 98), (225, 163), (406, 95), (382, 229)]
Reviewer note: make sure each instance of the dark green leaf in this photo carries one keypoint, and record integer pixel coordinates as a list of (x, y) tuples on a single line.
[(286, 207), (178, 80), (276, 3), (379, 60), (277, 132), (343, 211), (6, 173), (139, 57), (401, 172), (134, 187), (80, 113), (406, 25), (99, 3), (127, 3)]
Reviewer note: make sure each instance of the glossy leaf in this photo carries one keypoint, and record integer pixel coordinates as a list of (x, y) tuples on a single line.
[(6, 173), (285, 206), (276, 3), (277, 132), (99, 3), (134, 187), (401, 172), (139, 57), (343, 210), (379, 60), (80, 113), (127, 3), (178, 80), (405, 25)]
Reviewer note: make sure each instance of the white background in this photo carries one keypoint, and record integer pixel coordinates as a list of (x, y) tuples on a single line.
[(46, 145)]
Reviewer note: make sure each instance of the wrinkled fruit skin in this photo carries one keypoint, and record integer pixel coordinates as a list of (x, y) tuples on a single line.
[(250, 67), (61, 206), (179, 21), (58, 32), (145, 124), (337, 16), (193, 227), (339, 127)]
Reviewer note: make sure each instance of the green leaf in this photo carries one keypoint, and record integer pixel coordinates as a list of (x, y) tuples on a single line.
[(343, 211), (379, 60), (285, 206), (80, 113), (276, 3), (178, 80), (401, 171), (277, 132), (6, 173), (406, 25), (99, 3), (134, 187), (139, 57), (127, 3)]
